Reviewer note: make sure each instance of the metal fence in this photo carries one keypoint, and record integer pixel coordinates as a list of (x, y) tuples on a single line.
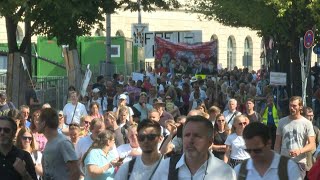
[(52, 90)]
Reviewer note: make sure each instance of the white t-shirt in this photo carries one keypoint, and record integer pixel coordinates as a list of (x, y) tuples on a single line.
[(272, 172), (68, 111), (294, 135), (139, 170), (237, 146), (83, 145), (124, 151)]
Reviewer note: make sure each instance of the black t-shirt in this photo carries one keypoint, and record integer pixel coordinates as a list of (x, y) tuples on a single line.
[(7, 170)]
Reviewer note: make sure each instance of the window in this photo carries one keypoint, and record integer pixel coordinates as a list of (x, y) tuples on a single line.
[(247, 56), (3, 63), (231, 58), (115, 50)]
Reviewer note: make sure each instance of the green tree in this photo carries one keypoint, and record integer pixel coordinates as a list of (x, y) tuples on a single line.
[(283, 20), (63, 19)]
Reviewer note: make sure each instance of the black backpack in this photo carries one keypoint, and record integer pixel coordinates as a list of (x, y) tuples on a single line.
[(282, 169)]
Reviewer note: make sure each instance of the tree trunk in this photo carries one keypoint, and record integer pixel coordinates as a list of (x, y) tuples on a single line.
[(16, 79), (16, 76)]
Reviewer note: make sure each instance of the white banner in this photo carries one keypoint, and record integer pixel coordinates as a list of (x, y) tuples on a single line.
[(86, 81), (278, 78)]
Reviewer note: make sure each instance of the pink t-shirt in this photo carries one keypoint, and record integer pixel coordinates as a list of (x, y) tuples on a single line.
[(41, 141)]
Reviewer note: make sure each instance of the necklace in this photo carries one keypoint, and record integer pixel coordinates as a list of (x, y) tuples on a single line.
[(106, 152)]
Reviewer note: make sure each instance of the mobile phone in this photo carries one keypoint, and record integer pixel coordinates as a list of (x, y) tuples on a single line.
[(121, 159)]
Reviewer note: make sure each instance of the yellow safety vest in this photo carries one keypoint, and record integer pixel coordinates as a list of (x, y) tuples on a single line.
[(274, 115)]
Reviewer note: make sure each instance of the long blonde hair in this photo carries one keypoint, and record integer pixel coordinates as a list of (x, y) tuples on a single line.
[(100, 142), (33, 143)]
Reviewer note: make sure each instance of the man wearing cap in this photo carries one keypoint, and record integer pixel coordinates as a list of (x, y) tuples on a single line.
[(159, 105), (100, 99), (143, 107), (123, 103), (119, 90), (5, 106)]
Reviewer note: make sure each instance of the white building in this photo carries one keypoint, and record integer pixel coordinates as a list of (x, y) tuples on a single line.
[(233, 43)]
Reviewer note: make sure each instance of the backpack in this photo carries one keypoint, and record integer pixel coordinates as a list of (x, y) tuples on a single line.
[(282, 169), (173, 172)]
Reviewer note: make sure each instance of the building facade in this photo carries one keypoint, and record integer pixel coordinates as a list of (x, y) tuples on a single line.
[(239, 47)]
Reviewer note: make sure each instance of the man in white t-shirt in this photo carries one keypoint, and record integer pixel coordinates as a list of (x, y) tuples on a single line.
[(132, 149), (96, 126), (264, 163), (231, 112), (74, 110), (144, 166), (295, 135)]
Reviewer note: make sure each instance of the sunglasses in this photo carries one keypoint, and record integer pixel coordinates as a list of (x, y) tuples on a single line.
[(242, 124), (27, 137), (150, 137), (256, 151), (86, 122), (60, 115), (5, 130), (220, 120)]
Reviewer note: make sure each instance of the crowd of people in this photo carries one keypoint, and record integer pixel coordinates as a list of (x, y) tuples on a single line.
[(168, 126)]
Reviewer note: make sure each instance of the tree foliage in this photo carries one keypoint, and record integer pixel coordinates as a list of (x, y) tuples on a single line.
[(281, 18), (67, 19)]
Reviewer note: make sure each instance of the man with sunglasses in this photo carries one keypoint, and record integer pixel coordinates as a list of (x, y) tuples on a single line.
[(264, 163), (15, 163), (196, 162), (144, 166), (59, 157)]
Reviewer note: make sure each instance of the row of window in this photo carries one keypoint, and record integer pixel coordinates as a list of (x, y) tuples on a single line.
[(231, 52)]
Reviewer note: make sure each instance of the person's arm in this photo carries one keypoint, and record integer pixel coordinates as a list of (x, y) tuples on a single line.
[(167, 146), (73, 169), (311, 145), (94, 170), (277, 144), (227, 154), (20, 166), (219, 148), (38, 168)]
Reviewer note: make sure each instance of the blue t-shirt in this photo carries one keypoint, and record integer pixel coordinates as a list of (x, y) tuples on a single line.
[(98, 157), (28, 124)]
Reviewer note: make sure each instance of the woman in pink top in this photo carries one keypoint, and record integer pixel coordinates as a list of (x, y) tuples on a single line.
[(40, 139), (94, 110)]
